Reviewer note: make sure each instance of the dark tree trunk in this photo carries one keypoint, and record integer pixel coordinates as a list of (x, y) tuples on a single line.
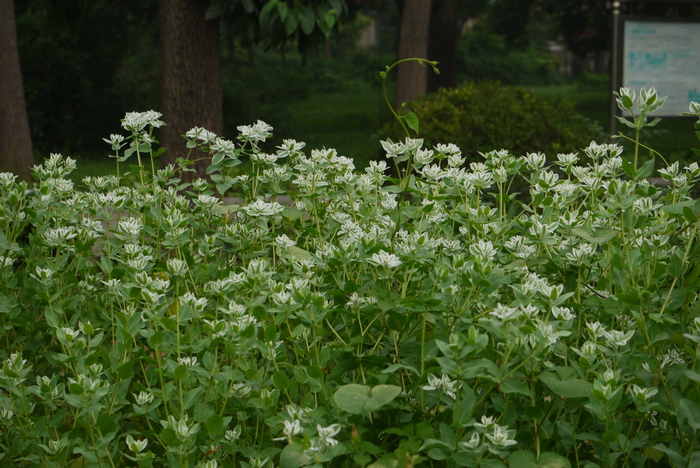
[(412, 79), (443, 45), (191, 93), (15, 141)]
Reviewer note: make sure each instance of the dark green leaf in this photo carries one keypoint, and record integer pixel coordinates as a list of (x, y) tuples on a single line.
[(567, 388)]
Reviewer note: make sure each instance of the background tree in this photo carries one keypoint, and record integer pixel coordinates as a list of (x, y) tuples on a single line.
[(15, 140), (191, 91), (412, 78)]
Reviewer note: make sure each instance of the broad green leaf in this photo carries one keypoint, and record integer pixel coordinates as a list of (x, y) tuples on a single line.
[(646, 170), (7, 304), (180, 372), (307, 20), (515, 386), (601, 236), (688, 412), (412, 121), (292, 456), (215, 424), (524, 459), (294, 253), (677, 208), (568, 388), (280, 380), (387, 461), (463, 415), (361, 399)]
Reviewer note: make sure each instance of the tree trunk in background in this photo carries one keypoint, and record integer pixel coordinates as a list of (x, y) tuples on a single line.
[(412, 79), (191, 93), (15, 141), (443, 45)]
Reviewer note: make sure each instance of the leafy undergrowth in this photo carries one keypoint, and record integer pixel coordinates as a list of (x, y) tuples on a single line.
[(430, 320)]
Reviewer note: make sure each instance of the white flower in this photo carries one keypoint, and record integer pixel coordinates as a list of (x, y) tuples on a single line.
[(505, 313), (595, 329), (143, 398), (262, 208), (233, 434), (443, 383), (136, 446), (485, 424), (284, 241), (291, 428), (618, 338), (643, 394), (483, 249), (326, 434), (625, 98), (473, 443), (259, 131), (500, 438), (534, 161), (202, 134), (393, 149), (384, 259)]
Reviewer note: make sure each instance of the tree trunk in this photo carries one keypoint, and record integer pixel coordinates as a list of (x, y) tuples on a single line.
[(443, 45), (412, 79), (15, 141), (191, 94)]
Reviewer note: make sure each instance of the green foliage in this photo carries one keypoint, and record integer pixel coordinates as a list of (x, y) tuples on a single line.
[(479, 117), (147, 324)]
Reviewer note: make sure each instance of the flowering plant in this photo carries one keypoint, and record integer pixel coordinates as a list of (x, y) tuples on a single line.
[(434, 319)]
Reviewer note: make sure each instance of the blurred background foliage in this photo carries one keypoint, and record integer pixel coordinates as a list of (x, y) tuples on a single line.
[(87, 62)]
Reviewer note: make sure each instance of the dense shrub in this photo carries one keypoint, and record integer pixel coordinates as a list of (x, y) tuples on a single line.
[(147, 324), (479, 117)]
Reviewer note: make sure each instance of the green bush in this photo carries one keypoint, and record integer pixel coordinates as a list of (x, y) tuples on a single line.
[(146, 324), (480, 117)]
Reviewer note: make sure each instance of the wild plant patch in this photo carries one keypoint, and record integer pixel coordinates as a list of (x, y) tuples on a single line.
[(429, 320)]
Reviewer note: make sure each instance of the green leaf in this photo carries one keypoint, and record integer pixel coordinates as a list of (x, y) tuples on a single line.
[(515, 386), (294, 253), (569, 388), (624, 121), (280, 380), (292, 456), (387, 461), (360, 399), (688, 412), (646, 170), (7, 304), (215, 424), (677, 208), (524, 459), (628, 168), (411, 121), (628, 298), (466, 405), (307, 20), (180, 372), (601, 236)]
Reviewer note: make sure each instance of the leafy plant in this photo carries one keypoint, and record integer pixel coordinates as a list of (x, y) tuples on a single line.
[(147, 324), (479, 117)]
